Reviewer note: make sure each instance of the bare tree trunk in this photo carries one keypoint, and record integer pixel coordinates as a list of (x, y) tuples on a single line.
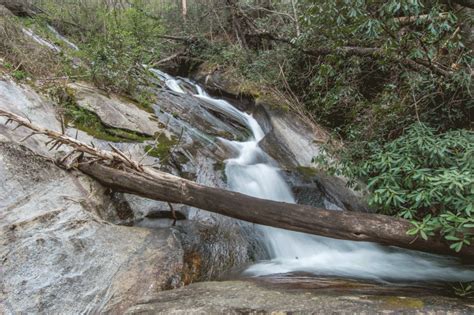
[(184, 7), (295, 16), (345, 225)]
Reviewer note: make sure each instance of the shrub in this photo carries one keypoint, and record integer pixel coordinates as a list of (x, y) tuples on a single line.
[(425, 177)]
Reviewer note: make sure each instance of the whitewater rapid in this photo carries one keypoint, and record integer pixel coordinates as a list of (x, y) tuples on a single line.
[(252, 173)]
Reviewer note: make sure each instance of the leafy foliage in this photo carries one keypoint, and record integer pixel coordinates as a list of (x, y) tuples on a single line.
[(114, 40), (378, 95), (424, 177)]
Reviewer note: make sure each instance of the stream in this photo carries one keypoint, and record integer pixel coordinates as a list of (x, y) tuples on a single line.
[(253, 173)]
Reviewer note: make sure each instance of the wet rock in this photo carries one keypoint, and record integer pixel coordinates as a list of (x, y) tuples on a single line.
[(293, 134), (114, 111), (248, 297), (281, 153), (315, 188), (194, 113), (290, 140), (213, 249), (337, 190)]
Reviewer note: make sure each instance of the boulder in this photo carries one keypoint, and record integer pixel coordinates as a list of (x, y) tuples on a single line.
[(60, 256)]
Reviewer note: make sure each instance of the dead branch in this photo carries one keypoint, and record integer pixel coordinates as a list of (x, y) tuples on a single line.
[(57, 139)]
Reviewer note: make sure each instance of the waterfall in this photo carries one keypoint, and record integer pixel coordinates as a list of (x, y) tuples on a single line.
[(40, 40), (62, 38), (252, 173)]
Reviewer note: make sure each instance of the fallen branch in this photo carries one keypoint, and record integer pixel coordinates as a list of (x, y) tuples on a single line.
[(406, 20), (58, 139), (374, 52), (122, 174)]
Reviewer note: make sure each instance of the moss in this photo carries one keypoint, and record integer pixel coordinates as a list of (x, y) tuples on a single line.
[(399, 302), (225, 134), (219, 166), (163, 147), (306, 171), (90, 123), (143, 101)]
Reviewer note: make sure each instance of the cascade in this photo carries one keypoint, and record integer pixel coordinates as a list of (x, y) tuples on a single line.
[(251, 172)]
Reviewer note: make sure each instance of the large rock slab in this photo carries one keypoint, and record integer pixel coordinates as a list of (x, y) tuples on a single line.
[(246, 297), (293, 136), (114, 111), (59, 256), (24, 101)]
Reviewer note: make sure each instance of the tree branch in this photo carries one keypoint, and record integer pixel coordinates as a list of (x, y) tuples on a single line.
[(356, 51)]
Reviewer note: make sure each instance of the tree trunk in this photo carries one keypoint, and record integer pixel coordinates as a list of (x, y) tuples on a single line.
[(118, 171), (184, 7), (343, 225)]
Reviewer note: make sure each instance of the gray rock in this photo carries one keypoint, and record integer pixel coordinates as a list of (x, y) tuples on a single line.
[(24, 101), (194, 116), (336, 189), (59, 255), (248, 297), (294, 135), (114, 111)]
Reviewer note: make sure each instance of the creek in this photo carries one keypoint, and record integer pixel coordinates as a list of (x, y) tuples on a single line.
[(251, 171)]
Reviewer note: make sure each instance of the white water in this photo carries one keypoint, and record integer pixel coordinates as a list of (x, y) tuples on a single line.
[(40, 40), (251, 173), (62, 38), (170, 82)]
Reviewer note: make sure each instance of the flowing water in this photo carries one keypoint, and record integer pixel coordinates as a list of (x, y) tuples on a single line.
[(251, 172), (62, 38)]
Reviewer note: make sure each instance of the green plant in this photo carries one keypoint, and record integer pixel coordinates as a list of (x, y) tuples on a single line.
[(163, 147), (464, 289), (424, 177), (19, 75)]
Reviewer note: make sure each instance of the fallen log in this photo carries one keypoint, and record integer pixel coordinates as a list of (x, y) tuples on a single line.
[(119, 172), (373, 52), (343, 225)]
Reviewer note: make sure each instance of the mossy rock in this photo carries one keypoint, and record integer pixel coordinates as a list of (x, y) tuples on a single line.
[(90, 123), (162, 148)]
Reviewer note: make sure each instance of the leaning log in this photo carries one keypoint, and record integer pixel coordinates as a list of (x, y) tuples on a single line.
[(342, 225), (117, 171)]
